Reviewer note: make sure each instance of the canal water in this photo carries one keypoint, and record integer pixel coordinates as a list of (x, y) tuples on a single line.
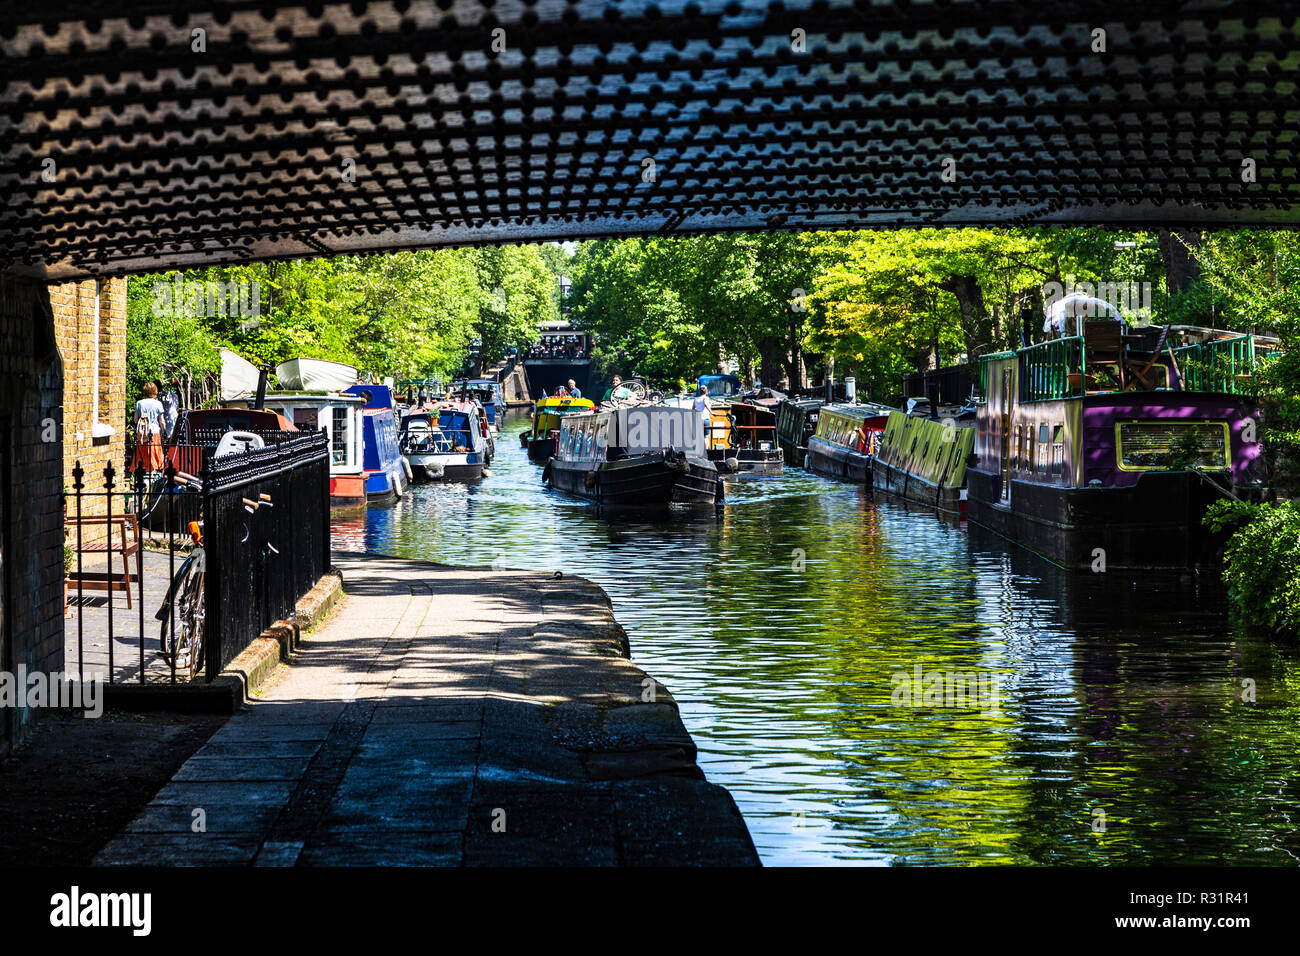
[(1113, 720)]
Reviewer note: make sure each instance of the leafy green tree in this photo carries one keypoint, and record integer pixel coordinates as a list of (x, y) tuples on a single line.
[(516, 292)]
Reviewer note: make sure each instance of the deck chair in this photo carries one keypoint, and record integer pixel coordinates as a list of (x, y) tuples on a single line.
[(1143, 375), (1103, 347)]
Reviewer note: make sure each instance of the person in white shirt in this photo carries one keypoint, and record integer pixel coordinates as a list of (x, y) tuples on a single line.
[(148, 431), (704, 406)]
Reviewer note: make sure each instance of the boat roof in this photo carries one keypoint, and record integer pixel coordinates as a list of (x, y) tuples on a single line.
[(552, 402), (858, 411), (234, 417)]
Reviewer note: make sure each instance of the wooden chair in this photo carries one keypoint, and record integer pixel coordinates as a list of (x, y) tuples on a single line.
[(125, 544), (1103, 346), (1143, 375)]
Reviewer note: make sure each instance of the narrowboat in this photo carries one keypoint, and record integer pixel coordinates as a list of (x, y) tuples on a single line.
[(751, 445), (487, 392), (644, 456), (387, 472), (922, 457), (844, 441), (796, 421), (1102, 450), (341, 417), (542, 438), (447, 442)]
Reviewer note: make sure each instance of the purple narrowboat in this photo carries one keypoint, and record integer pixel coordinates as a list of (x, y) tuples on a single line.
[(1103, 450)]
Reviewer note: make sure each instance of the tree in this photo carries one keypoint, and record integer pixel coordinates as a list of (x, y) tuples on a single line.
[(516, 293)]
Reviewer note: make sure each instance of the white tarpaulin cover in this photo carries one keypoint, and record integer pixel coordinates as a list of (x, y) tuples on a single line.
[(1078, 306), (238, 377), (315, 375)]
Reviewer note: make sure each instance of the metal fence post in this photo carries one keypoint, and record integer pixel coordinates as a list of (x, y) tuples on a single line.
[(212, 636)]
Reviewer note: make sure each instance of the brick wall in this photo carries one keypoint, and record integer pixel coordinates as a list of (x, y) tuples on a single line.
[(84, 351), (31, 507)]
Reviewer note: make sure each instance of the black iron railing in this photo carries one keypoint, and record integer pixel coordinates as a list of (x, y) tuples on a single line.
[(266, 536), (264, 518)]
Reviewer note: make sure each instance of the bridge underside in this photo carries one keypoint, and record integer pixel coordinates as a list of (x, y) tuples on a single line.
[(192, 132)]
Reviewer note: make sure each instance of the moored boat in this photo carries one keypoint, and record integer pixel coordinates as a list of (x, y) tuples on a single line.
[(844, 441), (922, 457), (1109, 445), (647, 456), (387, 472), (751, 446), (446, 442), (342, 418), (796, 421), (542, 438), (487, 392)]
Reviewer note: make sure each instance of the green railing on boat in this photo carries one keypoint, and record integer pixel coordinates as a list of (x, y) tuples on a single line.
[(1045, 370), (1226, 365)]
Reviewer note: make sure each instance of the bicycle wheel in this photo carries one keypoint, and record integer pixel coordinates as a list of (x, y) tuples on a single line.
[(183, 645)]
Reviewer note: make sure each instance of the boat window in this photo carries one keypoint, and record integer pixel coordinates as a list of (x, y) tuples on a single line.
[(339, 436), (1172, 445)]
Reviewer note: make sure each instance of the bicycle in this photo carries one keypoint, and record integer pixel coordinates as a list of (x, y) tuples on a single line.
[(181, 636)]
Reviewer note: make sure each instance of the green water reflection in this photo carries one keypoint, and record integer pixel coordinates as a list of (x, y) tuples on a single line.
[(779, 623)]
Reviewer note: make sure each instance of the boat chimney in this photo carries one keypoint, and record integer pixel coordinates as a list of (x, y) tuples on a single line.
[(262, 373)]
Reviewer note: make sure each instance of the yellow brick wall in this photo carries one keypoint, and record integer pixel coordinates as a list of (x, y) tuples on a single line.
[(73, 304)]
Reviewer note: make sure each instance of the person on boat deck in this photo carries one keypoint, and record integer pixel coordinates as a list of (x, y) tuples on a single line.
[(574, 391), (148, 430), (703, 405), (618, 392)]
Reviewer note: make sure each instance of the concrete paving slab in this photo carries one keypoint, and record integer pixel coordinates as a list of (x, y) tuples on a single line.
[(449, 716)]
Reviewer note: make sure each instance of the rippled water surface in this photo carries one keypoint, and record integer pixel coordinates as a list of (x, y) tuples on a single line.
[(1120, 734)]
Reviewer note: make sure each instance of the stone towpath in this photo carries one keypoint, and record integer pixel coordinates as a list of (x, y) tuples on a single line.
[(448, 716)]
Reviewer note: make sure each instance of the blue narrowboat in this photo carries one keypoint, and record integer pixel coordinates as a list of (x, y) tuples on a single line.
[(487, 392), (388, 474)]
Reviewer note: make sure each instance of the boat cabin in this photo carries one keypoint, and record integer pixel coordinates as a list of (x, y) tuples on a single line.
[(342, 419), (721, 386), (631, 431), (856, 427), (796, 421)]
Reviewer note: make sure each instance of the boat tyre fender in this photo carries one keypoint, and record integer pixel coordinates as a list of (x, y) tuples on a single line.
[(546, 474), (733, 464), (406, 466), (589, 479), (487, 473)]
